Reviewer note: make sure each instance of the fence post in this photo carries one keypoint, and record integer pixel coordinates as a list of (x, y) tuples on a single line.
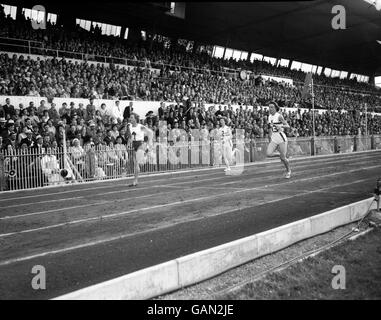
[(211, 152), (355, 143), (157, 157), (250, 151), (2, 173), (335, 146), (200, 152), (312, 146), (372, 144), (29, 47)]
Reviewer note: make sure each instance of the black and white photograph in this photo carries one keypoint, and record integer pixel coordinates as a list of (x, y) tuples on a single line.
[(190, 155)]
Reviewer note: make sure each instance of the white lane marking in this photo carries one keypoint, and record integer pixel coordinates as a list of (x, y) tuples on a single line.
[(173, 185), (86, 205), (123, 236), (246, 177), (296, 173), (113, 215), (39, 202), (317, 159)]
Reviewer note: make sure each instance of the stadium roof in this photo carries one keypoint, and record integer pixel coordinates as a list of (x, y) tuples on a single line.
[(298, 31)]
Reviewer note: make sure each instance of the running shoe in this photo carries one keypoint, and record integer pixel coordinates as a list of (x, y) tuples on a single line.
[(227, 169), (288, 174), (133, 184)]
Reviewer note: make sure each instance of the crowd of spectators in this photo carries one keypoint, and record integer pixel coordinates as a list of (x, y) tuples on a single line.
[(191, 75), (78, 40), (42, 126), (195, 79)]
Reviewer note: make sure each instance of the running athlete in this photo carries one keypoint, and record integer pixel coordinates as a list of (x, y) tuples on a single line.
[(136, 132), (278, 139), (227, 145)]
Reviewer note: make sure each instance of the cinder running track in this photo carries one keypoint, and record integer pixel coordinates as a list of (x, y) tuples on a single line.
[(88, 233)]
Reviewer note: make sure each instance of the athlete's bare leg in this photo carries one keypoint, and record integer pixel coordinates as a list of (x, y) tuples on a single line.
[(227, 156), (270, 152), (136, 170), (283, 153)]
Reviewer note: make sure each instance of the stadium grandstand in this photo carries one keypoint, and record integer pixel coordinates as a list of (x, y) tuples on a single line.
[(73, 75), (77, 69)]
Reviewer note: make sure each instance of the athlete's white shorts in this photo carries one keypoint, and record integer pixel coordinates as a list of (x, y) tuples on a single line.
[(278, 137), (227, 150)]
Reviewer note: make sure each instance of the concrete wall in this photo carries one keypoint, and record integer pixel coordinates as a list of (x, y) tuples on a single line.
[(190, 269)]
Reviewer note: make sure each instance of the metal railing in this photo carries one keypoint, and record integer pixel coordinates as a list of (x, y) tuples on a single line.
[(26, 47), (34, 168)]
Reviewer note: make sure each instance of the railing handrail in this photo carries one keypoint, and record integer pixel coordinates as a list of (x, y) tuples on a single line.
[(125, 60), (32, 168), (18, 39)]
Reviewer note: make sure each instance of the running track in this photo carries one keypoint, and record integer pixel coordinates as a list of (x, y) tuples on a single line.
[(88, 233)]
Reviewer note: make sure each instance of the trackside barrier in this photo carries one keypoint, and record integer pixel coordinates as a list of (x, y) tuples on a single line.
[(193, 268), (34, 168), (299, 147), (363, 143), (376, 142), (344, 145), (324, 146)]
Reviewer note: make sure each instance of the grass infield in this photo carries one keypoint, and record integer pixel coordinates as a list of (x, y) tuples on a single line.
[(312, 278)]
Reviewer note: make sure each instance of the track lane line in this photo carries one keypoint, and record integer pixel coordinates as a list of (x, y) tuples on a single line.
[(125, 213), (348, 157), (254, 179), (173, 185), (123, 236)]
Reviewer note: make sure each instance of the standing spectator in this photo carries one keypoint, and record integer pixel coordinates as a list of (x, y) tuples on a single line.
[(9, 110), (127, 111), (31, 106), (82, 112), (116, 111), (62, 110), (53, 113), (41, 108), (90, 108), (33, 117), (104, 113)]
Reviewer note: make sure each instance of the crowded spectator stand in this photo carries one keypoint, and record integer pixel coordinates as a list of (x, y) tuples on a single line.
[(66, 101)]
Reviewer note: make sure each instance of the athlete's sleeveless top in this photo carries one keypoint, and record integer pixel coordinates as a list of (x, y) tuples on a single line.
[(225, 133), (136, 132), (275, 120)]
